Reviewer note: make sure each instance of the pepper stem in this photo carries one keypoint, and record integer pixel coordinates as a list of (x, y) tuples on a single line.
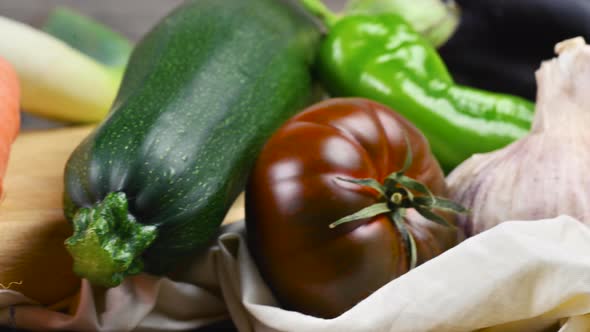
[(319, 9), (108, 241), (436, 20)]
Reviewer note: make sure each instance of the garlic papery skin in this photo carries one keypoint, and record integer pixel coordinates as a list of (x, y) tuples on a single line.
[(546, 173)]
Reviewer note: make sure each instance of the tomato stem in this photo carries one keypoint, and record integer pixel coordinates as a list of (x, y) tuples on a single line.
[(395, 196), (400, 224)]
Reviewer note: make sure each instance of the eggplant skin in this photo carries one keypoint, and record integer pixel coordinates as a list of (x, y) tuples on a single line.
[(499, 44)]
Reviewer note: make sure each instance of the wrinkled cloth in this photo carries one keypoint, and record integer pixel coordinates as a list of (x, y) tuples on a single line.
[(518, 276)]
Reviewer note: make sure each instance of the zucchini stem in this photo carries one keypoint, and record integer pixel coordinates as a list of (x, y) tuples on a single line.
[(396, 197), (107, 242)]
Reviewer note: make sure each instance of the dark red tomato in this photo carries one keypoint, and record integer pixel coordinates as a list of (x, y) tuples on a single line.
[(294, 195)]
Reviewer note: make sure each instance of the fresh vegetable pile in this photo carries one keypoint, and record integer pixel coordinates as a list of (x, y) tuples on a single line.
[(342, 195)]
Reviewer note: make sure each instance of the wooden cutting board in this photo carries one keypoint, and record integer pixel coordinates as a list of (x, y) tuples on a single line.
[(34, 180), (33, 228), (33, 259)]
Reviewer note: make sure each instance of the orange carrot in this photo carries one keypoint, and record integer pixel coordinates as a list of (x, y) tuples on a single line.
[(9, 113)]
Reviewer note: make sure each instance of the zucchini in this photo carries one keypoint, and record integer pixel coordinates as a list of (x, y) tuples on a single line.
[(202, 93), (89, 37)]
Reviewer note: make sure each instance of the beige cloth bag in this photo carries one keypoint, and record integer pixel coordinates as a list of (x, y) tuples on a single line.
[(519, 276)]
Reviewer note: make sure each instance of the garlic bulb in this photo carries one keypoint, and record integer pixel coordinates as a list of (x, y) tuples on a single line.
[(546, 173)]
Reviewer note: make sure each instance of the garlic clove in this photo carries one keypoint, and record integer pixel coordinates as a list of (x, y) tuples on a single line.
[(542, 175), (569, 44)]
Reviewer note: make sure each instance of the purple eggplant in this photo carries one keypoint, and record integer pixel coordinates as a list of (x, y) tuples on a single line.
[(500, 43)]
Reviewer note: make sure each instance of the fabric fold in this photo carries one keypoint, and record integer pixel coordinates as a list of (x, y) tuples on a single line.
[(519, 276)]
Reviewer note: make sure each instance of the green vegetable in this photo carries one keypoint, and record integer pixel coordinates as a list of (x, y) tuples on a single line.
[(381, 57), (57, 81), (202, 93), (89, 37), (435, 20), (76, 75)]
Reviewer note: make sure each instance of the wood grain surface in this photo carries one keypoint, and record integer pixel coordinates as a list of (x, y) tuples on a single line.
[(33, 227)]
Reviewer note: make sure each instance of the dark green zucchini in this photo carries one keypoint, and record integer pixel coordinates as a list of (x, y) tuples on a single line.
[(202, 93)]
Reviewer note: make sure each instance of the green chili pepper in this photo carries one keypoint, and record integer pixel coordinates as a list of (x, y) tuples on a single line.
[(381, 57)]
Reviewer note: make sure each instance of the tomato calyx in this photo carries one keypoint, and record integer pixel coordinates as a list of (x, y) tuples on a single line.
[(397, 194)]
